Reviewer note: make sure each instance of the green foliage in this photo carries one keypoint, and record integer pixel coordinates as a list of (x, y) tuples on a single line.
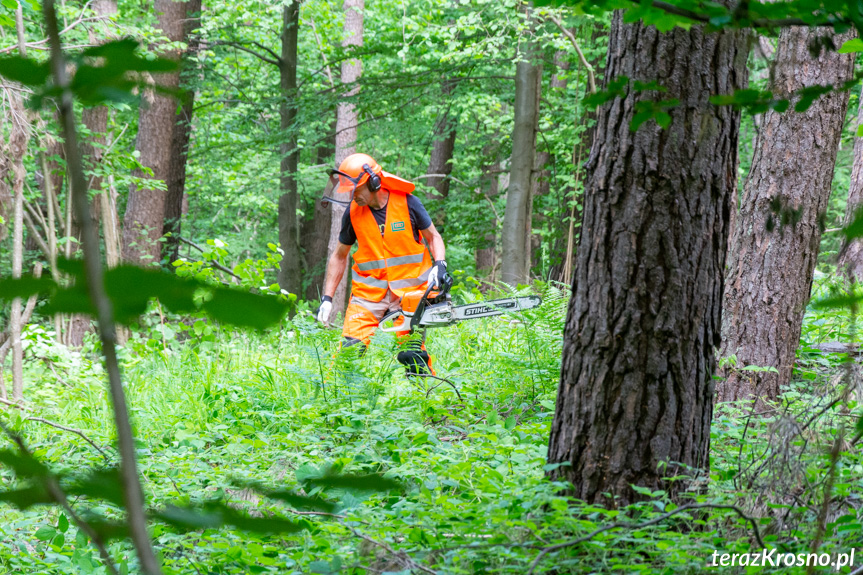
[(130, 288), (240, 444), (103, 73)]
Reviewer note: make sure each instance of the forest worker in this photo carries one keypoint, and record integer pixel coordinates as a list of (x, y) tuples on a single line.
[(389, 223)]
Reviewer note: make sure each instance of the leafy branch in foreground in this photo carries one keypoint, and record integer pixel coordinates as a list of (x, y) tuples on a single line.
[(751, 100), (742, 14)]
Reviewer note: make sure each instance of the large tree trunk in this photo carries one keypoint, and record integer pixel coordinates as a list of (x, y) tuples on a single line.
[(778, 229), (517, 218), (180, 138), (851, 256), (346, 130), (290, 271), (440, 161), (635, 397), (145, 208)]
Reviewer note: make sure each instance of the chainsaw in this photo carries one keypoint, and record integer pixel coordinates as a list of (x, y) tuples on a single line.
[(433, 308)]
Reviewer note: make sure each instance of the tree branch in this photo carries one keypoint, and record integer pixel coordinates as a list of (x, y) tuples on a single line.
[(591, 77), (213, 263), (239, 46), (133, 494)]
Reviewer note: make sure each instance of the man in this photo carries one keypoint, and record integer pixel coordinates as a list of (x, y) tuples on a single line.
[(389, 224)]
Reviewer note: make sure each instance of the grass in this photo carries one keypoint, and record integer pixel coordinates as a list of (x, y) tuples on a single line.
[(223, 409)]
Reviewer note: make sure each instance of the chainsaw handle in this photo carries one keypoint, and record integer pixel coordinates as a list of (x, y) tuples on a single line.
[(421, 307)]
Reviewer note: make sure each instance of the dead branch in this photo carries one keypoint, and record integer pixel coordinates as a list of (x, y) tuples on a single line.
[(57, 426), (403, 557), (591, 77)]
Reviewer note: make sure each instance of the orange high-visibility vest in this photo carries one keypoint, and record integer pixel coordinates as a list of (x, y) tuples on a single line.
[(394, 261)]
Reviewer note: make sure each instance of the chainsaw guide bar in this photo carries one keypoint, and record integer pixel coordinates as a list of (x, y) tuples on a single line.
[(444, 313)]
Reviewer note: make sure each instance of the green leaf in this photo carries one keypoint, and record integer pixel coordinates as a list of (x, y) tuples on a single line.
[(106, 484), (25, 286), (27, 497), (23, 465), (851, 46), (131, 287), (372, 482), (244, 309), (509, 424), (300, 501), (108, 530), (62, 523), (24, 70), (45, 533)]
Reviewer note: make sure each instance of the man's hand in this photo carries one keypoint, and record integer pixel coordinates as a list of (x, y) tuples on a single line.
[(323, 314), (437, 274)]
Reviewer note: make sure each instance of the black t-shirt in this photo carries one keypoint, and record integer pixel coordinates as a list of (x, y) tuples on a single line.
[(420, 220)]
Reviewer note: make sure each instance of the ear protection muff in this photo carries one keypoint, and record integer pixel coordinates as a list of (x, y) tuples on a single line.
[(374, 182)]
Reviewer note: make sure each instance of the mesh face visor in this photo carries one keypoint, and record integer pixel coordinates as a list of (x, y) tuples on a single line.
[(340, 188)]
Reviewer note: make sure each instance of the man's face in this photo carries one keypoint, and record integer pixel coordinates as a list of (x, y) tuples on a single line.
[(362, 195)]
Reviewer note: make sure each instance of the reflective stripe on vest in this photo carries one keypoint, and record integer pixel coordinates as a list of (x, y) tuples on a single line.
[(394, 260)]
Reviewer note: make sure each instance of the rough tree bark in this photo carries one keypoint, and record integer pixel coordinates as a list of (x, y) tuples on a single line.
[(517, 217), (851, 256), (346, 129), (180, 138), (638, 358), (145, 207), (440, 160), (778, 228), (290, 270)]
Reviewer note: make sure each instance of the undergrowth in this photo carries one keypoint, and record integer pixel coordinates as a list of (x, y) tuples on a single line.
[(216, 411)]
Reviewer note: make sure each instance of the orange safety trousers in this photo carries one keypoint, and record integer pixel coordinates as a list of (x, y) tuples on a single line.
[(362, 318)]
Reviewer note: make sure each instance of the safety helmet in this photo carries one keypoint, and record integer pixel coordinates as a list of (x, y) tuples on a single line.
[(353, 172)]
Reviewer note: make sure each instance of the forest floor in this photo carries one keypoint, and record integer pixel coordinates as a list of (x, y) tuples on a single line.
[(223, 409)]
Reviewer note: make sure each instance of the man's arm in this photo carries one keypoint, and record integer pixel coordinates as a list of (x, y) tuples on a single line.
[(336, 266), (435, 242)]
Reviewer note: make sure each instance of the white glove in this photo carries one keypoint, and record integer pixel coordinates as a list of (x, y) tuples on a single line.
[(436, 273), (323, 314)]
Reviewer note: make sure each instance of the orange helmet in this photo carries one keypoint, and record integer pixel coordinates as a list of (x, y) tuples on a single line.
[(355, 170)]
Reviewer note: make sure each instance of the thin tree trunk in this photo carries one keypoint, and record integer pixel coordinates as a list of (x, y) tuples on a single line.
[(180, 138), (440, 161), (346, 129), (95, 119), (516, 219), (145, 207), (851, 256), (18, 140), (290, 270), (316, 234), (133, 496), (486, 253), (778, 229), (635, 398)]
